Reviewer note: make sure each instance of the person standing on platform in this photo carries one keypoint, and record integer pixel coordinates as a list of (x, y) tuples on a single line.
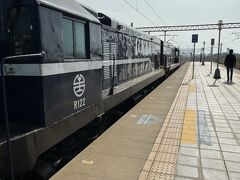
[(230, 62)]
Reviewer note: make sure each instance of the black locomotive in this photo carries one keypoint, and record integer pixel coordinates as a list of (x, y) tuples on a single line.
[(61, 58)]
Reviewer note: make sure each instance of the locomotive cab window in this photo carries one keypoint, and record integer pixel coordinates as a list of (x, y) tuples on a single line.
[(80, 40), (20, 29), (74, 39), (68, 38)]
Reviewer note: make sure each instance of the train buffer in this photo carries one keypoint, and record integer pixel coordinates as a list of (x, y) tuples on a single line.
[(184, 129)]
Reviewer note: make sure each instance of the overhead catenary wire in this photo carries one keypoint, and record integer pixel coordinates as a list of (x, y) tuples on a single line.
[(160, 18), (136, 9), (155, 11), (139, 12), (231, 41), (237, 34), (230, 34), (143, 15)]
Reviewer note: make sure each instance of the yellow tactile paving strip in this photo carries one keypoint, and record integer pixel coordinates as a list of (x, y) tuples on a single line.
[(189, 127), (192, 88), (161, 163)]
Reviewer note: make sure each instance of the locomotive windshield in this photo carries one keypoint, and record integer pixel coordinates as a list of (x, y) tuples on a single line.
[(19, 28)]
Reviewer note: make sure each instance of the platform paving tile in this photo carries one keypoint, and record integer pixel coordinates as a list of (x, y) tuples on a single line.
[(237, 135), (170, 140), (207, 133), (189, 151), (189, 145), (233, 166), (230, 117), (223, 129), (225, 135), (210, 146), (219, 117), (187, 171), (187, 160), (232, 122), (157, 175), (235, 125), (182, 178), (210, 174), (213, 164), (163, 167), (206, 140), (236, 130), (166, 157), (210, 154), (222, 125), (234, 176), (228, 141), (220, 121), (230, 148)]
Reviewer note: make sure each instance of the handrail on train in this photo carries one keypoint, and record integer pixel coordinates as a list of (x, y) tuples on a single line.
[(3, 88)]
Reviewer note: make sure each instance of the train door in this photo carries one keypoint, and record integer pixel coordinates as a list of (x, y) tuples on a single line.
[(176, 57)]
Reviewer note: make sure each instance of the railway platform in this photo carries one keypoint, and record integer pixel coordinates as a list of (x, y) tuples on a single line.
[(185, 129)]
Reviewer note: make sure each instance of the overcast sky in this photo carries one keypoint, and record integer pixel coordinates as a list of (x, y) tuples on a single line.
[(177, 12)]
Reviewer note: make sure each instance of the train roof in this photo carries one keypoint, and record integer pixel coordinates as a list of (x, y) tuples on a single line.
[(131, 30), (69, 6), (111, 22)]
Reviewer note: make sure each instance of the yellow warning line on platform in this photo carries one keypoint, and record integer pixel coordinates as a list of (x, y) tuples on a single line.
[(192, 88), (189, 127), (161, 162)]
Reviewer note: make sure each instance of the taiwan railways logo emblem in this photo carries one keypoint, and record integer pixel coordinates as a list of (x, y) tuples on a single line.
[(79, 85)]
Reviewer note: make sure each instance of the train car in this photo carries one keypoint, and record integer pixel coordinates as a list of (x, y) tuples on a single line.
[(131, 52), (170, 58), (61, 57)]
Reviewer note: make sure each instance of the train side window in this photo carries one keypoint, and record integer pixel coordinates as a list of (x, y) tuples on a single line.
[(68, 38), (80, 40)]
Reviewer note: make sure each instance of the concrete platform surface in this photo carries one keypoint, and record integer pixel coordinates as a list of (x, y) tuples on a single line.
[(121, 152), (185, 129)]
